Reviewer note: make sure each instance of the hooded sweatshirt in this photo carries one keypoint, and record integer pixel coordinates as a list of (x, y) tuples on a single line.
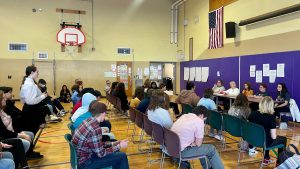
[(188, 97), (86, 100)]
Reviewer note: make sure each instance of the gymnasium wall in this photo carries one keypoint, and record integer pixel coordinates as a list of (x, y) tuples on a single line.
[(238, 69), (142, 25), (274, 35), (91, 72)]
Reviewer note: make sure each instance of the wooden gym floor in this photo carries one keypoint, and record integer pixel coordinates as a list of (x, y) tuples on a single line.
[(56, 150)]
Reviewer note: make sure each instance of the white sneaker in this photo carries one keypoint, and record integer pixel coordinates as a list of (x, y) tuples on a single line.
[(252, 152), (61, 113), (218, 137), (54, 118)]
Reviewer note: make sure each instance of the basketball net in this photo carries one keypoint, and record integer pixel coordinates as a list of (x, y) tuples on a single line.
[(71, 48)]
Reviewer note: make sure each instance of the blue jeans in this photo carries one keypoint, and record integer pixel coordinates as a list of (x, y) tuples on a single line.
[(26, 143), (207, 150), (7, 162), (118, 160)]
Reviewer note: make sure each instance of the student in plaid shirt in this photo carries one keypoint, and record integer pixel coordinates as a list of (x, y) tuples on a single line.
[(90, 150)]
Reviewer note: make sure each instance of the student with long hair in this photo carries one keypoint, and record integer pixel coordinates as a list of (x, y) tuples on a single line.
[(113, 88), (240, 107), (65, 94), (247, 89), (265, 118), (283, 97), (138, 96), (34, 111), (121, 94), (158, 109)]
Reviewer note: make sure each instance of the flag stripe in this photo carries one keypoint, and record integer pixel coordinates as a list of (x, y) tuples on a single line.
[(216, 28)]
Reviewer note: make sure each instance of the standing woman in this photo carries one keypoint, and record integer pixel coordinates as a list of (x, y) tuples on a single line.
[(34, 112)]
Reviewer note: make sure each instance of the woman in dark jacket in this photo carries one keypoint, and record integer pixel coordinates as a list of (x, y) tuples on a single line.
[(121, 94), (65, 94)]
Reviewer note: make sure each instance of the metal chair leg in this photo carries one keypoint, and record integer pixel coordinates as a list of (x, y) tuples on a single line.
[(179, 163)]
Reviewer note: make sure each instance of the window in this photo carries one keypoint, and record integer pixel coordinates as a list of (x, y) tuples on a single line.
[(124, 51), (17, 47)]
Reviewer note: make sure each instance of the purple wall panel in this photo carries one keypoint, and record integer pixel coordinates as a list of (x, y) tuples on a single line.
[(273, 59), (228, 68)]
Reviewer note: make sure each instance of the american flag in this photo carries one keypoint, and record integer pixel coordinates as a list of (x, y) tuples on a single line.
[(216, 28)]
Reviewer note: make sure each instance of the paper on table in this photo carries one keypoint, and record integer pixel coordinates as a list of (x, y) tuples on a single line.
[(205, 74), (186, 73), (266, 69), (272, 76), (198, 77), (192, 73), (252, 74), (280, 70), (258, 76), (252, 68)]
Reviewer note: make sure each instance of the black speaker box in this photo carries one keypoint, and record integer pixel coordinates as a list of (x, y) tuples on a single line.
[(230, 29)]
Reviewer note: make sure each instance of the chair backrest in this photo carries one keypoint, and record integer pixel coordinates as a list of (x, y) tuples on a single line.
[(71, 127), (215, 120), (114, 100), (73, 156), (147, 125), (172, 143), (132, 114), (158, 133), (186, 108), (139, 118), (254, 134), (232, 125)]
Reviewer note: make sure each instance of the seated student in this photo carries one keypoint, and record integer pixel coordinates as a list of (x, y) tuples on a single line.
[(143, 106), (16, 148), (79, 103), (121, 94), (262, 91), (218, 87), (113, 88), (283, 97), (91, 152), (153, 85), (7, 131), (87, 98), (188, 96), (266, 119), (6, 160), (240, 107), (247, 89), (190, 129), (88, 114), (105, 124), (158, 109), (138, 96), (10, 108), (51, 101), (65, 94), (146, 85), (76, 89), (208, 103), (169, 91), (107, 86)]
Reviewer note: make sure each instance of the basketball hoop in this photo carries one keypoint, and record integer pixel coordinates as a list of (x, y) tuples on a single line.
[(70, 36)]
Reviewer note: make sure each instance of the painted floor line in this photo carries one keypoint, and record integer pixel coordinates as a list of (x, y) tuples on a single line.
[(47, 165)]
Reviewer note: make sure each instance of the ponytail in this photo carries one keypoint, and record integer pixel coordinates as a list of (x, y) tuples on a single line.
[(28, 71)]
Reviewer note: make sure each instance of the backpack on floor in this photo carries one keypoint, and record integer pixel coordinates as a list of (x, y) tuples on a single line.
[(287, 153)]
